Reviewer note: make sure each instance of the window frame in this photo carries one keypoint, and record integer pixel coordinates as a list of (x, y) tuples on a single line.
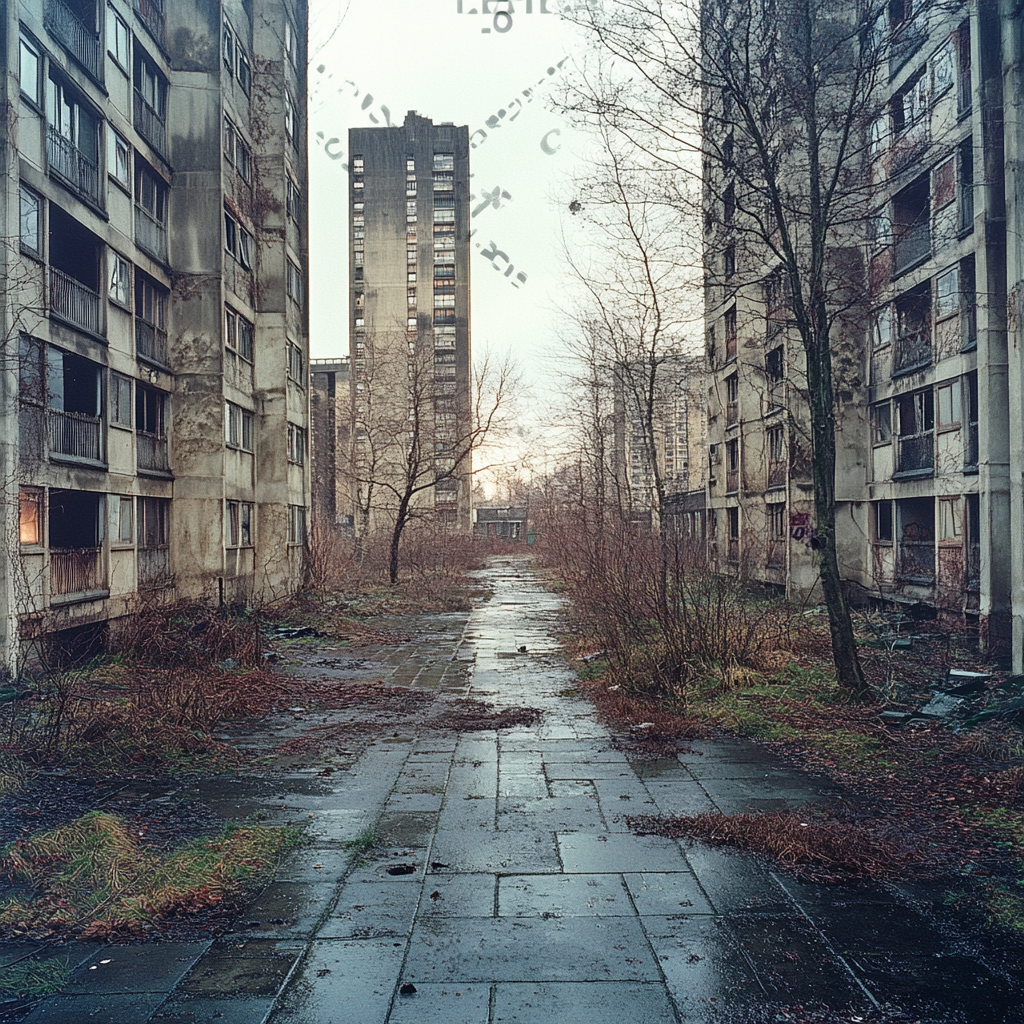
[(31, 498), (117, 145), (119, 263), (114, 22), (121, 401), (27, 193), (26, 42)]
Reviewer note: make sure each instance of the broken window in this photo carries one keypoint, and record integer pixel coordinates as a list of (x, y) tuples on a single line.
[(912, 224), (916, 433), (913, 329), (916, 525)]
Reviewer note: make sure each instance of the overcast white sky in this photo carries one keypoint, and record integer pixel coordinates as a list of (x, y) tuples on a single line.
[(424, 55)]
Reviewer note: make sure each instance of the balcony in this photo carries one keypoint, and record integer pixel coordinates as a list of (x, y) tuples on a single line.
[(74, 35), (74, 302), (913, 245), (152, 14), (151, 452), (75, 435), (917, 561), (150, 342), (75, 571), (732, 413), (916, 454), (778, 474), (154, 567), (913, 350), (150, 234), (68, 162), (732, 481), (149, 124)]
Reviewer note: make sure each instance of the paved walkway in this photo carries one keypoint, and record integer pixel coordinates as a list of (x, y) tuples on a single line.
[(511, 889)]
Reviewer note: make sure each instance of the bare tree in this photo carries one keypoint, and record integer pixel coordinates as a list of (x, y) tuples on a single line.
[(774, 106), (411, 434)]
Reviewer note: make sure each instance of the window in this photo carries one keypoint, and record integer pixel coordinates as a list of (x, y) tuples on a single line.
[(123, 508), (154, 514), (944, 183), (881, 423), (357, 165), (442, 162), (117, 40), (244, 72), (410, 208), (296, 444), (238, 334), (916, 428), (296, 364), (883, 522), (947, 292), (410, 297), (238, 524), (150, 302), (294, 282), (910, 104), (291, 124), (296, 524), (879, 138), (30, 71), (245, 248), (410, 255), (243, 159), (881, 327), (30, 504), (293, 200), (965, 194), (730, 333), (943, 64), (730, 259), (947, 401), (120, 290), (775, 444), (950, 520), (729, 204), (31, 221), (150, 192), (412, 323), (774, 364), (963, 68), (31, 374), (289, 42), (118, 161), (120, 400), (229, 48), (238, 427), (733, 515), (230, 233), (444, 216)]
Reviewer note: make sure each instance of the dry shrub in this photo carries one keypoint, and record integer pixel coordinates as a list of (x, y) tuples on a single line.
[(823, 850)]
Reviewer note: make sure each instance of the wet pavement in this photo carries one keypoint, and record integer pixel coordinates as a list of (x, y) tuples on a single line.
[(505, 885)]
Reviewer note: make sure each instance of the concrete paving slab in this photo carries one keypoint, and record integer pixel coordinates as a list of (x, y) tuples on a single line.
[(286, 910), (521, 784), (443, 1004), (476, 748), (154, 968), (733, 881), (447, 895), (95, 1008), (572, 787), (582, 1003), (684, 797), (313, 864), (343, 982), (467, 852), (519, 949), (372, 909), (618, 852), (550, 815), (563, 896), (657, 893), (208, 1010), (256, 967), (402, 828), (613, 770), (415, 802), (335, 828), (476, 778)]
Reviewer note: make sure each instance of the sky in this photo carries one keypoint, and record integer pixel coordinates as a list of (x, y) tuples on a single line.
[(467, 68)]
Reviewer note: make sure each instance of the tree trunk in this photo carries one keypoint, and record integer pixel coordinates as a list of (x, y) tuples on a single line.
[(849, 673), (401, 518)]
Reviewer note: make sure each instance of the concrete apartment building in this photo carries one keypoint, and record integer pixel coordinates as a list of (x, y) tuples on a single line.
[(331, 445), (930, 476), (154, 387), (410, 318)]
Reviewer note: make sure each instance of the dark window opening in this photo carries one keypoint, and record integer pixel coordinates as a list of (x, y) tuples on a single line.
[(912, 224), (913, 328)]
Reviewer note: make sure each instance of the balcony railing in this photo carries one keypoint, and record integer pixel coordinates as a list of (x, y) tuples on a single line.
[(151, 451), (152, 13), (916, 453), (912, 350), (65, 26), (154, 567), (150, 342), (917, 560), (149, 124), (150, 234), (778, 473), (67, 161), (913, 245), (75, 571), (74, 434), (732, 481), (73, 301), (732, 413)]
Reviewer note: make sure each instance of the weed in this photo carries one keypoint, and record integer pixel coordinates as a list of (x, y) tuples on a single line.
[(1007, 907), (364, 842), (591, 670), (33, 979)]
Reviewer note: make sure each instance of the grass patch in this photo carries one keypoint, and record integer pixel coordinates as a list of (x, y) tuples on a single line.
[(34, 979), (364, 842), (93, 878)]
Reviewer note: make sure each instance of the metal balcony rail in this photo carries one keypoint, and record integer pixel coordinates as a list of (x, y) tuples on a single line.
[(149, 124), (913, 349), (151, 451), (74, 434), (916, 453), (917, 559), (150, 234), (152, 13), (154, 566), (913, 244), (73, 35), (75, 571), (150, 342), (732, 413), (74, 301), (70, 163)]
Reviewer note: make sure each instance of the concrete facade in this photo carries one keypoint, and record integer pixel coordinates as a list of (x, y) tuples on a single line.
[(929, 459), (154, 396), (330, 443), (410, 317)]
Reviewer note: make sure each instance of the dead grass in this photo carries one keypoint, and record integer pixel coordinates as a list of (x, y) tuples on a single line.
[(821, 850), (91, 878), (472, 715)]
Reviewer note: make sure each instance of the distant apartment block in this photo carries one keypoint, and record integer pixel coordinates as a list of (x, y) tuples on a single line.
[(154, 396), (331, 444), (409, 316)]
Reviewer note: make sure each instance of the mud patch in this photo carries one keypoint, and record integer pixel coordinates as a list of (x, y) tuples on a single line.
[(472, 715)]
